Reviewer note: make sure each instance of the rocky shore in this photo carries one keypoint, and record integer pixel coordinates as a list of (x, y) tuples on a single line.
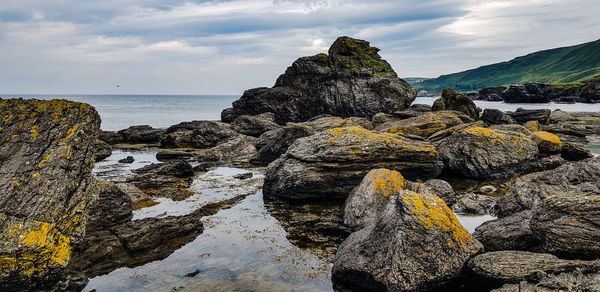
[(353, 172), (587, 91)]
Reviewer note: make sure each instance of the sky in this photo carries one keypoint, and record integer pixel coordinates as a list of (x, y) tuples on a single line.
[(225, 47)]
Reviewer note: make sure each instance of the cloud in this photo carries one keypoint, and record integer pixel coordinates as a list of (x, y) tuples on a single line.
[(211, 47)]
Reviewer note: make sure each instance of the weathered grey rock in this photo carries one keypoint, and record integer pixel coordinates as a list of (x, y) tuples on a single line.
[(46, 157), (558, 116), (508, 233), (273, 144), (415, 243), (569, 281), (491, 93), (442, 189), (569, 224), (480, 152), (197, 134), (590, 92), (522, 116), (352, 80), (422, 126), (528, 93), (472, 204), (547, 143), (450, 100), (168, 180), (512, 128), (240, 147), (322, 123), (516, 266), (571, 178), (254, 125), (103, 150), (331, 163), (421, 107), (496, 117), (142, 134)]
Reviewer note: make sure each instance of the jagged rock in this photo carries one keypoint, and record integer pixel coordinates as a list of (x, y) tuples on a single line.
[(568, 224), (442, 189), (128, 159), (569, 132), (569, 281), (523, 116), (415, 243), (525, 192), (46, 158), (574, 152), (169, 180), (516, 266), (273, 144), (450, 100), (508, 233), (528, 93), (496, 117), (254, 125), (143, 134), (179, 169), (331, 163), (240, 147), (547, 143), (558, 116), (472, 204), (422, 126), (138, 198), (228, 115), (491, 93), (197, 134), (480, 152), (590, 92), (103, 150), (352, 80)]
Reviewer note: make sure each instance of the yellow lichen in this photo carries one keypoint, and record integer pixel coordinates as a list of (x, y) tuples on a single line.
[(491, 135), (15, 181), (34, 132), (46, 158), (388, 182), (432, 212), (547, 136)]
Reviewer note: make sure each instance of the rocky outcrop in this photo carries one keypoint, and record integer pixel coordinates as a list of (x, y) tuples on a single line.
[(421, 126), (352, 80), (330, 164), (528, 93), (474, 204), (547, 143), (480, 152), (103, 150), (254, 125), (47, 151), (491, 93), (558, 116), (571, 178), (409, 241), (326, 122), (574, 152), (508, 233), (241, 147), (197, 134), (590, 92), (450, 100), (523, 116), (143, 134), (496, 117), (167, 180), (273, 144)]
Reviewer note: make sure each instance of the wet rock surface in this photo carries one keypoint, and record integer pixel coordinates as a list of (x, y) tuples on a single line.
[(352, 80), (197, 134), (47, 151)]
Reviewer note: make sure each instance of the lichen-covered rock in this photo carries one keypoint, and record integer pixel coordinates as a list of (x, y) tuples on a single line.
[(442, 189), (496, 117), (415, 243), (168, 180), (508, 233), (103, 150), (423, 126), (480, 152), (352, 80), (331, 163), (568, 224), (571, 178), (324, 122), (46, 158), (254, 125), (558, 116), (547, 143), (240, 147), (450, 100), (533, 126), (516, 266), (197, 134)]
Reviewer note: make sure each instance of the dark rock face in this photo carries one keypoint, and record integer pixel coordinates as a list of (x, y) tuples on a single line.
[(528, 93), (409, 241), (254, 125), (574, 152), (508, 233), (273, 144), (421, 126), (590, 92), (522, 116), (331, 163), (197, 134), (170, 179), (128, 159), (496, 117), (103, 150), (352, 80), (491, 93), (442, 189), (480, 152), (46, 157), (450, 100), (568, 281), (571, 178), (568, 224), (516, 266), (143, 134), (472, 204)]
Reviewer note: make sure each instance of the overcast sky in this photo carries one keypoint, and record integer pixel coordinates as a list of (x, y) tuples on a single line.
[(224, 47)]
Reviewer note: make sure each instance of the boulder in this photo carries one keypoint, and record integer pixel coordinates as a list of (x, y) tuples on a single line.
[(197, 134), (508, 233), (128, 160), (491, 93), (273, 144), (547, 143), (240, 147), (568, 281), (569, 224), (528, 93), (254, 125), (533, 126), (142, 134), (496, 117), (512, 128), (525, 192), (523, 116), (228, 115), (590, 92), (46, 157), (474, 204), (480, 152), (168, 180), (421, 107), (331, 163), (516, 266), (450, 100), (558, 116), (326, 122), (442, 189), (351, 81), (423, 126), (103, 150), (414, 243), (574, 152)]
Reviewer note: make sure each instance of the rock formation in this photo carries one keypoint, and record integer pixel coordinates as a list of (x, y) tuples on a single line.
[(450, 100), (352, 80)]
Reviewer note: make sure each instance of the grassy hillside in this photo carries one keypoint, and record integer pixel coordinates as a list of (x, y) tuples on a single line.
[(561, 65)]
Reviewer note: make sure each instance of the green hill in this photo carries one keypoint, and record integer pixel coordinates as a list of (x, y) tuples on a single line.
[(561, 65)]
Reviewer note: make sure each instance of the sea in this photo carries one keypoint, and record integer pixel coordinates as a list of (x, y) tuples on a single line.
[(161, 111)]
